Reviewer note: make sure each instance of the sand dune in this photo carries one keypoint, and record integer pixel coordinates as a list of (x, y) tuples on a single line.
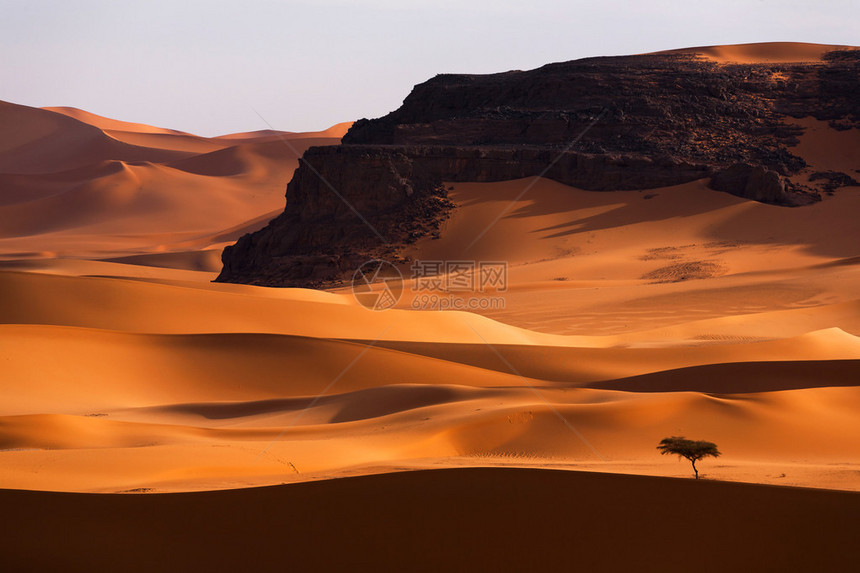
[(606, 263), (257, 366), (111, 124), (763, 52), (203, 367), (576, 365), (140, 134), (507, 520), (628, 316), (116, 304), (772, 437), (127, 198), (337, 131), (186, 387), (245, 158), (75, 184), (41, 141)]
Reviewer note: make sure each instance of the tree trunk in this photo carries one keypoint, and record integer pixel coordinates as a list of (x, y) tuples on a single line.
[(694, 468)]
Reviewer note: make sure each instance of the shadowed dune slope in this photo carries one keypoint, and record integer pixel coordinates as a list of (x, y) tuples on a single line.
[(743, 377), (452, 520)]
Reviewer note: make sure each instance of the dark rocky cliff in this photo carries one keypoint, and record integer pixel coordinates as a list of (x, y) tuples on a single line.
[(602, 124)]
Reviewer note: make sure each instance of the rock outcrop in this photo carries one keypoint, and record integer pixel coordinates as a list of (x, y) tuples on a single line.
[(752, 181), (602, 124)]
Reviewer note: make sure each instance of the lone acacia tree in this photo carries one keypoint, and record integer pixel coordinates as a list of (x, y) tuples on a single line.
[(691, 449)]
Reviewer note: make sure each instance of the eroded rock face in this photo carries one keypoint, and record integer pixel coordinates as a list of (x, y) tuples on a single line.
[(345, 205), (751, 181), (602, 124)]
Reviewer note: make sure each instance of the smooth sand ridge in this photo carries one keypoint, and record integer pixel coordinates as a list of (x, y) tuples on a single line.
[(796, 437), (763, 52), (127, 201), (78, 376), (105, 123), (507, 520), (580, 365), (338, 130), (197, 412), (78, 185), (216, 367), (117, 304), (135, 306), (40, 141), (247, 158), (149, 136), (754, 325), (141, 198)]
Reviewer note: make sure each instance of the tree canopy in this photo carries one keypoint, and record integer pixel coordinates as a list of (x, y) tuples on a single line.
[(693, 450)]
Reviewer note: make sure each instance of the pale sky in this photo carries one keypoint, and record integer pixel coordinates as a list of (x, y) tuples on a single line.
[(205, 66)]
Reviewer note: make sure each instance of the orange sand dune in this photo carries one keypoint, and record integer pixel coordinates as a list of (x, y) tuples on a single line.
[(140, 134), (74, 184), (127, 199), (40, 141), (254, 366), (338, 130), (120, 304), (764, 52), (248, 156), (186, 143), (213, 367), (111, 124), (488, 410), (576, 365), (606, 263), (506, 520), (628, 316), (797, 437)]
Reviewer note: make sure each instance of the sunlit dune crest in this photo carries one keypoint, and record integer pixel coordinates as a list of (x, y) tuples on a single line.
[(761, 53)]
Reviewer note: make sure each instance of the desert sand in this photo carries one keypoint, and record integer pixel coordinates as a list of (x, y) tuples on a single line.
[(462, 520), (77, 185), (629, 316), (760, 52)]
